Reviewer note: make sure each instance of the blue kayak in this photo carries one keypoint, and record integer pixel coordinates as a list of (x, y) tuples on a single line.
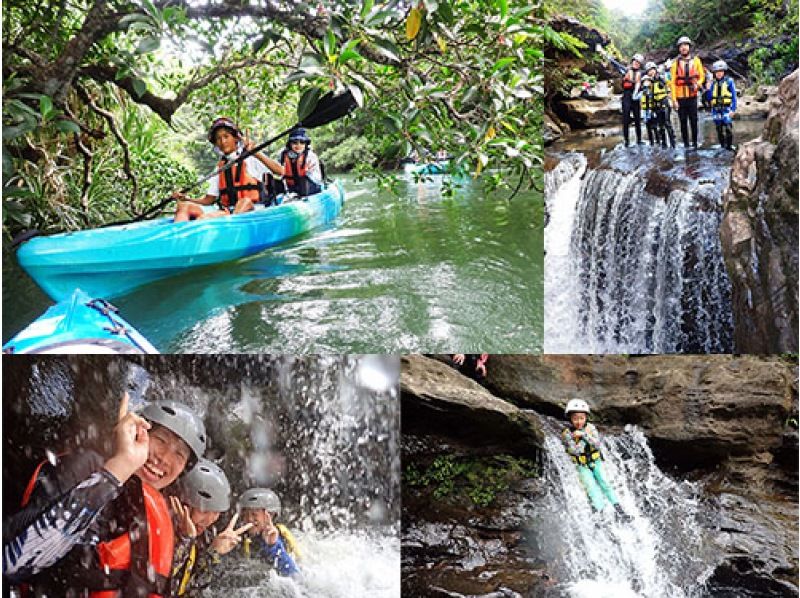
[(430, 168), (108, 262), (79, 324)]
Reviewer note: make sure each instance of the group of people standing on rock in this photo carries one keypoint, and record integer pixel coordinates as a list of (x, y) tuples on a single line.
[(96, 527), (676, 85)]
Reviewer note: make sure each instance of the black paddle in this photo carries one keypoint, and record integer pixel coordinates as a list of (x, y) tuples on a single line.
[(329, 108)]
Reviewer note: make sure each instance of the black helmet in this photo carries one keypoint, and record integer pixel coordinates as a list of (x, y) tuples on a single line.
[(299, 134), (223, 123)]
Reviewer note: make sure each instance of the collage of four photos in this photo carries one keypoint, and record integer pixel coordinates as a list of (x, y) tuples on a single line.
[(427, 298)]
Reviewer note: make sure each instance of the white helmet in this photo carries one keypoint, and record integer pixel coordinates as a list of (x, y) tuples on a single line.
[(638, 58), (719, 65), (684, 40), (575, 406), (650, 65)]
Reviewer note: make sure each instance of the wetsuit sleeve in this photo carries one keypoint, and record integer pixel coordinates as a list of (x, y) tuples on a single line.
[(574, 448), (279, 557), (673, 76), (701, 73), (732, 87), (213, 186), (36, 539)]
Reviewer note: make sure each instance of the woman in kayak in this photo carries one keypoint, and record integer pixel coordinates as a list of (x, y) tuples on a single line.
[(235, 190)]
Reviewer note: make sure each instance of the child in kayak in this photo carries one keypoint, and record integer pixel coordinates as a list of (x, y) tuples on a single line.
[(200, 497), (583, 444), (80, 514), (273, 541), (300, 166), (239, 188)]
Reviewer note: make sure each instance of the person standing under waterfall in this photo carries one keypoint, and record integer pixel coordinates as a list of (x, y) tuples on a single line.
[(687, 76), (723, 103), (631, 93), (584, 446)]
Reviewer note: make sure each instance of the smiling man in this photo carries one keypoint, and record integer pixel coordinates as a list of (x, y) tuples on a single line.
[(90, 524)]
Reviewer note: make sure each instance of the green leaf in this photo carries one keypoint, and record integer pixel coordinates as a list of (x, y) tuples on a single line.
[(348, 55), (45, 105), (308, 101), (502, 63), (392, 123), (128, 20), (329, 42), (366, 8), (148, 44), (503, 6), (16, 131), (8, 165), (67, 126), (304, 73), (387, 49), (139, 87)]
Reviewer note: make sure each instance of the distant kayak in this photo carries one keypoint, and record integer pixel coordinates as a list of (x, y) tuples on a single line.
[(79, 324), (108, 262), (430, 168)]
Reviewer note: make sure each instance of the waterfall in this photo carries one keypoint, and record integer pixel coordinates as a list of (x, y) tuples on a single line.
[(634, 262), (664, 551)]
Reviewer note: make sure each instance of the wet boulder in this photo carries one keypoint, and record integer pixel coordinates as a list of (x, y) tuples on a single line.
[(759, 231), (589, 113), (437, 397)]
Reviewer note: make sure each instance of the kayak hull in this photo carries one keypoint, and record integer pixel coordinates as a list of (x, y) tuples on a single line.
[(112, 261), (79, 324)]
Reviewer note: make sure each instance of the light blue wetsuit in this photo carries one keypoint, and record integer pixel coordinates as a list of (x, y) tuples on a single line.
[(585, 451)]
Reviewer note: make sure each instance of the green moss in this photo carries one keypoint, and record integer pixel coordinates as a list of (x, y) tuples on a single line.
[(479, 479)]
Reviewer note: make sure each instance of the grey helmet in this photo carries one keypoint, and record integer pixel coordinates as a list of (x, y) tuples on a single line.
[(638, 57), (181, 420), (647, 79), (650, 65), (719, 65), (260, 498), (684, 40), (205, 487)]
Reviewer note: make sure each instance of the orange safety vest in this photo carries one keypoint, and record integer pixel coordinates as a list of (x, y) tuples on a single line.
[(116, 554), (236, 184), (294, 171), (685, 77)]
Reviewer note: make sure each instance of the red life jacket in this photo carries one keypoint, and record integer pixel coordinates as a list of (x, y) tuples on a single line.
[(236, 184)]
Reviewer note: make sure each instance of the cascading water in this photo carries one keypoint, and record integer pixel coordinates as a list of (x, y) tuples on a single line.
[(662, 552), (634, 263)]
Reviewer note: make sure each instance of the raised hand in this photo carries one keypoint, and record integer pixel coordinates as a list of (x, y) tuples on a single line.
[(187, 526), (228, 538), (131, 443), (270, 533)]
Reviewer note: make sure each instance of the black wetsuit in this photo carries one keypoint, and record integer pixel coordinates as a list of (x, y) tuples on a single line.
[(631, 110)]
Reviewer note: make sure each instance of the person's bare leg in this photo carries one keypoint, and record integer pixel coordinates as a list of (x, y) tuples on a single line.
[(243, 205), (188, 210)]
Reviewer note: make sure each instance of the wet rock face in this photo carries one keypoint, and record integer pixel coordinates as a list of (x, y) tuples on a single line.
[(436, 397), (759, 231), (583, 113)]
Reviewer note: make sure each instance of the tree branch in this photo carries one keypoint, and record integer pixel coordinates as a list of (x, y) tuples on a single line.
[(126, 153)]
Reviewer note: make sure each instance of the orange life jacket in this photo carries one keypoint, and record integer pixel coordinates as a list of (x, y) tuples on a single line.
[(295, 174), (687, 75), (116, 554), (236, 184)]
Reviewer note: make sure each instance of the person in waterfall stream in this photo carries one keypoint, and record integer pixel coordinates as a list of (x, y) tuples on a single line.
[(272, 541), (584, 446)]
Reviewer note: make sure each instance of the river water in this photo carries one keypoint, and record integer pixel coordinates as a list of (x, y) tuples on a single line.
[(417, 272)]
